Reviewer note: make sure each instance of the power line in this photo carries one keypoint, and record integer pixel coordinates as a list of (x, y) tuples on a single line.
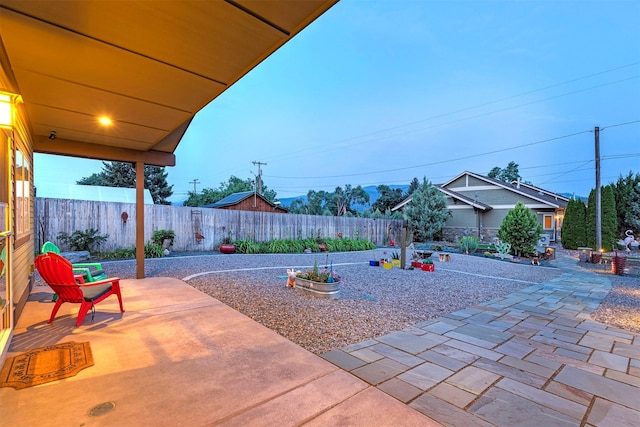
[(294, 154), (433, 163), (475, 107), (450, 160)]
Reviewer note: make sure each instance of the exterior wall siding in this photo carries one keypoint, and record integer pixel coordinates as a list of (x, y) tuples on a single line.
[(499, 196), (462, 218)]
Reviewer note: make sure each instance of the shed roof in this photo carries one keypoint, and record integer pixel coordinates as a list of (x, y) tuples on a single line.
[(235, 198)]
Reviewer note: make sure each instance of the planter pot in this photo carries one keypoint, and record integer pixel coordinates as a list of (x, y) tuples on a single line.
[(396, 262), (428, 267), (374, 263), (326, 290), (584, 254), (618, 263), (416, 264), (227, 248), (387, 266), (166, 243)]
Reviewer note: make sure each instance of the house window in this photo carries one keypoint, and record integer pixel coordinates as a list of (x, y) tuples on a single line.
[(547, 222), (22, 191)]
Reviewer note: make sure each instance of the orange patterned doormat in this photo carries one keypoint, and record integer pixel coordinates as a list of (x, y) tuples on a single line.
[(45, 364)]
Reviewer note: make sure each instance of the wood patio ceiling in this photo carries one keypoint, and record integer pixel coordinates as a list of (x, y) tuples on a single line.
[(148, 65)]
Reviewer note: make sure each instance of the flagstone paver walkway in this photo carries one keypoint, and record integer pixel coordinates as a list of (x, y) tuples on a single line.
[(533, 358)]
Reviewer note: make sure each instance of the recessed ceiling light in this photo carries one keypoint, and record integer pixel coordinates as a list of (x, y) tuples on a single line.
[(105, 121)]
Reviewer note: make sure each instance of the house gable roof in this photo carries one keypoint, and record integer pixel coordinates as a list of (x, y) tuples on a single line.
[(551, 199), (541, 191), (465, 199), (532, 192), (454, 194)]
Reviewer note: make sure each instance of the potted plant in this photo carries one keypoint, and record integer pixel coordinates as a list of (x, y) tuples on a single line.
[(324, 282), (395, 259), (428, 265), (227, 246), (164, 238)]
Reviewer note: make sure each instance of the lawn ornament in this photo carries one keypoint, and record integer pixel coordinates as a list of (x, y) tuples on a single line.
[(291, 278), (628, 240)]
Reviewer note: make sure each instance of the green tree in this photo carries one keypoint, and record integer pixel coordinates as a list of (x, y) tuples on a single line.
[(94, 179), (508, 174), (627, 196), (387, 197), (413, 186), (298, 206), (156, 181), (427, 211), (341, 200), (521, 229), (226, 188), (123, 175), (574, 229), (608, 218), (316, 201)]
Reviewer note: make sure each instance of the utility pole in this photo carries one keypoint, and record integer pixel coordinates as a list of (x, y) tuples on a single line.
[(194, 182), (259, 177), (596, 131)]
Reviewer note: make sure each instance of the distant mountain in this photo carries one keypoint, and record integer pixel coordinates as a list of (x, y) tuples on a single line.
[(370, 189)]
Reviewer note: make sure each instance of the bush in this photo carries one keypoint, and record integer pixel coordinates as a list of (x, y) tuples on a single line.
[(122, 253), (574, 226), (279, 246), (468, 244), (520, 228), (160, 235), (83, 240), (153, 250), (246, 247)]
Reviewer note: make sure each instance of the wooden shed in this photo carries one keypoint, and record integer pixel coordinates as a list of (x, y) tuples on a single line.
[(247, 201)]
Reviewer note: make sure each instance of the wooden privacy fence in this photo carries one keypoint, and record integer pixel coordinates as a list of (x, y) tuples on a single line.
[(197, 229)]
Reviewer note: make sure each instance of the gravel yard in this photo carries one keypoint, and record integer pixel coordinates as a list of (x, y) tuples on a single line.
[(372, 302)]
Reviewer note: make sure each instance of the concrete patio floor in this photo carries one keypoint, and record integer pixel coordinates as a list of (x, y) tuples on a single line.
[(180, 357)]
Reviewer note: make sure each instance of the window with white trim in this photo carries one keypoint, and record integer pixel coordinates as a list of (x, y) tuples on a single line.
[(22, 192)]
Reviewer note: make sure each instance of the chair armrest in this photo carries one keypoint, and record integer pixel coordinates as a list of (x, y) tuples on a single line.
[(81, 270), (112, 280), (95, 265)]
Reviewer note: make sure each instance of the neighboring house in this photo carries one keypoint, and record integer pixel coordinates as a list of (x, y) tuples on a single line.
[(478, 204), (247, 201)]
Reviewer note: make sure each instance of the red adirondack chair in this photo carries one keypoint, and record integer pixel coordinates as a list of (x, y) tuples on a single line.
[(70, 287)]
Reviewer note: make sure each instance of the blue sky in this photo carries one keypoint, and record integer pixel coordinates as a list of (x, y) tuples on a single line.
[(379, 92)]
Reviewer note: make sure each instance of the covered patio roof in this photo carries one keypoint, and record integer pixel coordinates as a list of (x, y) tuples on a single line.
[(147, 66)]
